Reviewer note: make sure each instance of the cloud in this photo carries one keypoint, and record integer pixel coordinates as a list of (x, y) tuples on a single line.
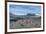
[(19, 9)]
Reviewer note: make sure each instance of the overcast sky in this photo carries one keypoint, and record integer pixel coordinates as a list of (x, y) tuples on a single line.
[(24, 9)]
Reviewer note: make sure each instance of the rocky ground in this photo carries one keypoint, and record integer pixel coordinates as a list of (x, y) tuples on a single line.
[(32, 22)]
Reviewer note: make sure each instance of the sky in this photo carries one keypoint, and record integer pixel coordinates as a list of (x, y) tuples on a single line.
[(24, 9)]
